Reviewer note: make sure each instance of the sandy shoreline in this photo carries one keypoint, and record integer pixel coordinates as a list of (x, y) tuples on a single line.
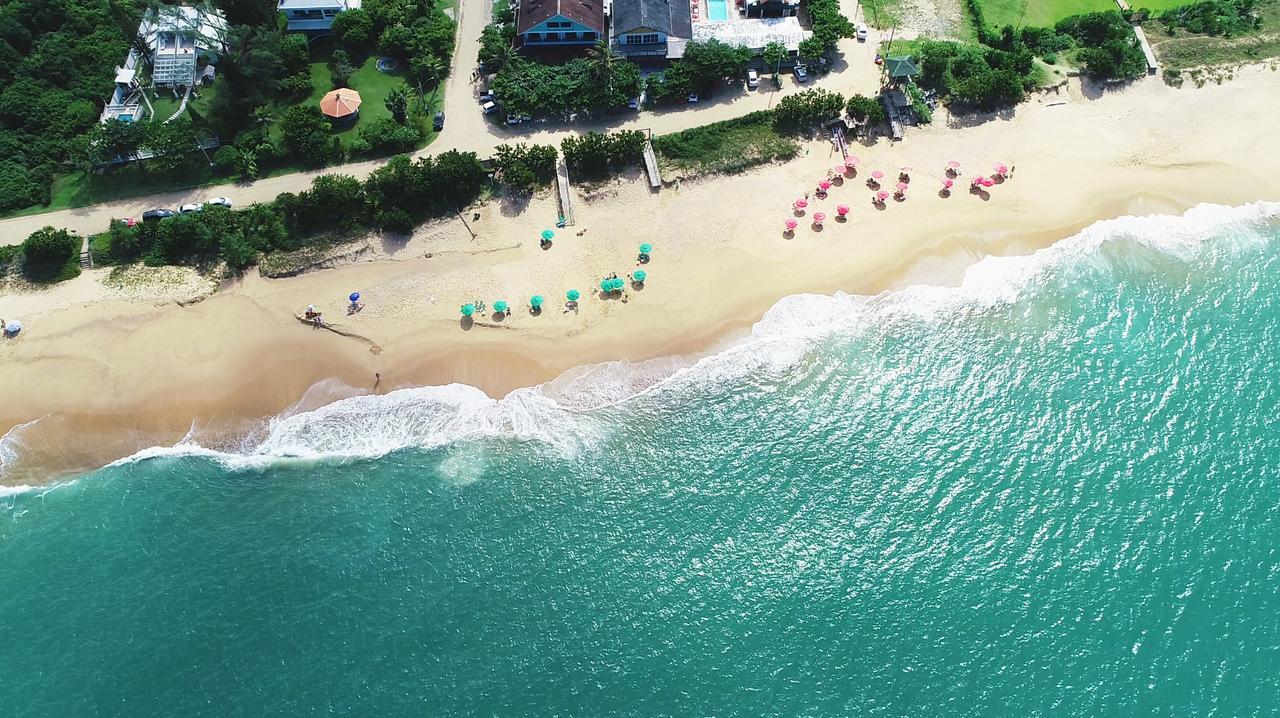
[(109, 370)]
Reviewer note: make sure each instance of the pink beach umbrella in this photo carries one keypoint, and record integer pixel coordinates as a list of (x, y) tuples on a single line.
[(839, 169), (818, 218), (802, 203), (954, 164), (825, 185), (842, 209), (876, 174), (1001, 169), (988, 182), (947, 183), (976, 181), (882, 195), (850, 162), (904, 170), (901, 186), (791, 224)]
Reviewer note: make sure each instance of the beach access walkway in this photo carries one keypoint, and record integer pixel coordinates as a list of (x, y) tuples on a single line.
[(651, 165), (562, 187)]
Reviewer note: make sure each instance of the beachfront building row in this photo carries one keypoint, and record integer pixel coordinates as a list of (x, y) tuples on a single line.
[(656, 29)]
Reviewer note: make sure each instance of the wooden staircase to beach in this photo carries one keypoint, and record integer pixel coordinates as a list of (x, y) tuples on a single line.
[(562, 187), (651, 166)]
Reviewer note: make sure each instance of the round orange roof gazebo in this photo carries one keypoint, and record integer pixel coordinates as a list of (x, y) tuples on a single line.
[(341, 104)]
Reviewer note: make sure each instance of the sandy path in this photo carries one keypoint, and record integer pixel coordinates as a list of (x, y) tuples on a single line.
[(467, 128)]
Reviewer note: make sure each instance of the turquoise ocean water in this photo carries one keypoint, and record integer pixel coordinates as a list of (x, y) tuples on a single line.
[(1050, 492)]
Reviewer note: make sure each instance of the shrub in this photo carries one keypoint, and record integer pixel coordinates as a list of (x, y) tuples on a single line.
[(49, 253), (388, 136), (805, 109), (9, 254), (861, 107), (593, 153), (226, 158), (1224, 18), (306, 133), (523, 168), (340, 68), (354, 29)]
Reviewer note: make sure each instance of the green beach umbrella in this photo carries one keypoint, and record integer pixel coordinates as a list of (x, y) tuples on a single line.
[(618, 284), (535, 301), (547, 234), (468, 309), (606, 285), (573, 295), (639, 275), (500, 307), (646, 248)]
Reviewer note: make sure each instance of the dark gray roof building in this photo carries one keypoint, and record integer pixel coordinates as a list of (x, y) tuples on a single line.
[(670, 17)]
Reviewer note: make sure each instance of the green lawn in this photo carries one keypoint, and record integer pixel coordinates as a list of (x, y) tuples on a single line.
[(1044, 13), (372, 84)]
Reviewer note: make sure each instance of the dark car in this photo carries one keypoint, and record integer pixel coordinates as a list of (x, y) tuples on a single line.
[(155, 215), (438, 121)]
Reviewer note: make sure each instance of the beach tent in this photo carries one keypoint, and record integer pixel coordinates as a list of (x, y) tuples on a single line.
[(341, 104)]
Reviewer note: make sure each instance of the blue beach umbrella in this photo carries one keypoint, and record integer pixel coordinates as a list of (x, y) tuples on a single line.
[(606, 285), (468, 309), (646, 248), (355, 297), (547, 234), (535, 301), (500, 307), (573, 295), (639, 275)]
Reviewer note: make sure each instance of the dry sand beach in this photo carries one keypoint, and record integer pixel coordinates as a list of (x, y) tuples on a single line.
[(106, 367)]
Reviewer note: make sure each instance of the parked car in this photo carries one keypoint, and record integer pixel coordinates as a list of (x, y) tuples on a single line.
[(127, 221), (692, 99), (438, 121), (189, 208), (635, 102), (513, 119), (489, 106), (862, 32), (802, 73), (486, 96), (157, 214), (753, 79), (219, 201)]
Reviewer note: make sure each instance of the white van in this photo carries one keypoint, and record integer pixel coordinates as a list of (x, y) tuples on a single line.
[(488, 107), (753, 79)]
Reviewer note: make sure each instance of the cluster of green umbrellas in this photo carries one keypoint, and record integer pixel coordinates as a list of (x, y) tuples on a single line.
[(536, 301), (612, 285)]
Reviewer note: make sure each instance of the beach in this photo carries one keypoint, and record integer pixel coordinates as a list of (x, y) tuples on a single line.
[(105, 368)]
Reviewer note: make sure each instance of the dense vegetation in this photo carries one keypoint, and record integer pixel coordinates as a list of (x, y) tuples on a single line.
[(523, 168), (806, 109), (829, 27), (861, 107), (57, 62), (705, 66), (728, 146), (395, 197), (51, 255), (56, 67), (594, 154), (602, 79), (1222, 18)]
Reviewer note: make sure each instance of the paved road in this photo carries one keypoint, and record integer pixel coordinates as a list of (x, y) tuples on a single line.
[(468, 129)]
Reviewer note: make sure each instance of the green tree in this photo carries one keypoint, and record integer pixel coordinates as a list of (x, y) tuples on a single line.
[(341, 69), (294, 55), (114, 138), (305, 132), (774, 54), (48, 252), (397, 103), (804, 109), (861, 107), (170, 142), (354, 29)]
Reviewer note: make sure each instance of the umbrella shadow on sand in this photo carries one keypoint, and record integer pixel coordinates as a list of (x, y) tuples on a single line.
[(466, 323), (981, 193)]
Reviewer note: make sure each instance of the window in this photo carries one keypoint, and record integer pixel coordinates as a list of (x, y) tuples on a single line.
[(553, 37), (588, 36), (535, 37), (571, 36), (330, 12), (646, 39), (557, 24)]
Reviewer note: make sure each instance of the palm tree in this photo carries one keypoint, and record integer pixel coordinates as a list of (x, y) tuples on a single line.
[(602, 59), (505, 55)]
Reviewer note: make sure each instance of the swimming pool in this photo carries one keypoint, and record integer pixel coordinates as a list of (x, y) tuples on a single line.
[(717, 9)]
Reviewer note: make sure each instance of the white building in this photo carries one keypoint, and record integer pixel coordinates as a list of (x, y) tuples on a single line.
[(314, 14), (176, 37)]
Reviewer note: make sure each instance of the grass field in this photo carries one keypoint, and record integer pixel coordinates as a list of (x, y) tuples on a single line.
[(1025, 13), (728, 146)]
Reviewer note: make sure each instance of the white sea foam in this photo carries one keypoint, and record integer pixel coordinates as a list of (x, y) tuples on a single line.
[(561, 413)]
